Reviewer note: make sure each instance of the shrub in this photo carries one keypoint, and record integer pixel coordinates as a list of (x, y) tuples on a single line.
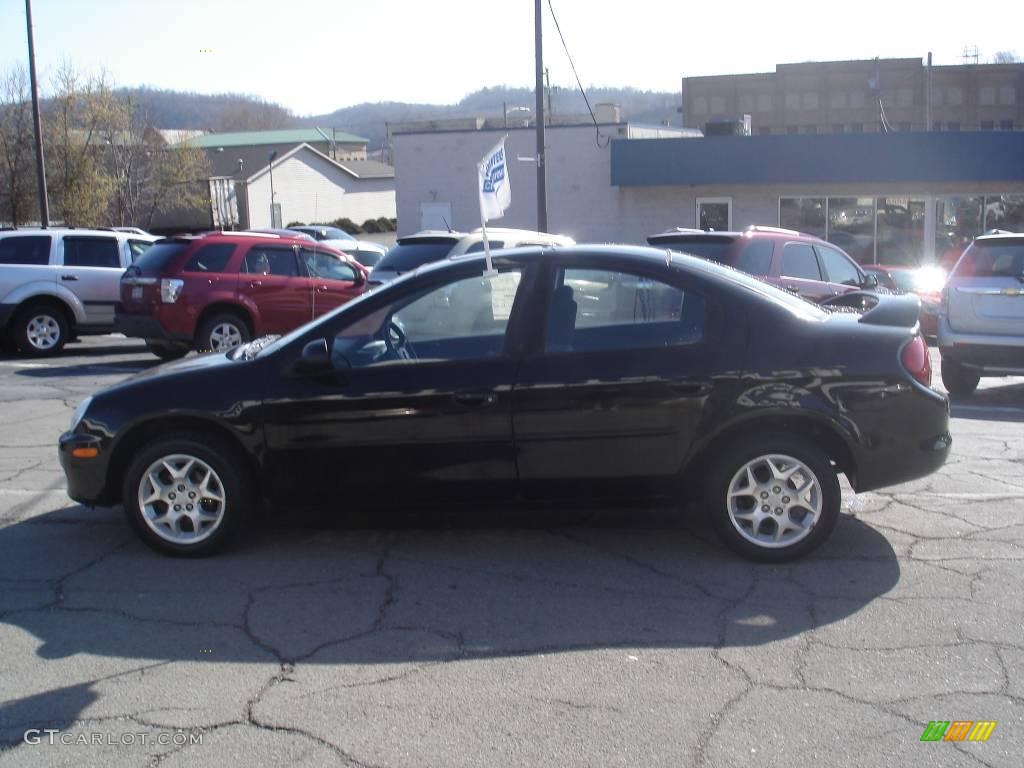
[(370, 225), (348, 225), (295, 224), (384, 224)]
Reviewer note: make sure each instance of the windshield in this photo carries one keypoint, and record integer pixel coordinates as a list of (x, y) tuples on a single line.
[(405, 257), (325, 233)]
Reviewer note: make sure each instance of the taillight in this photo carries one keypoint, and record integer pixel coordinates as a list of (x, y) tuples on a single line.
[(916, 360), (170, 290)]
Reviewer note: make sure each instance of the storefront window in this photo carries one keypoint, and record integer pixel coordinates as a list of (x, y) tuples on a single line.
[(851, 226), (900, 231), (957, 222), (1004, 212), (804, 214)]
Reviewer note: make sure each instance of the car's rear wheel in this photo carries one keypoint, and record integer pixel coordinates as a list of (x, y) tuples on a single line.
[(40, 329), (774, 497), (957, 380), (167, 351), (222, 332), (185, 494)]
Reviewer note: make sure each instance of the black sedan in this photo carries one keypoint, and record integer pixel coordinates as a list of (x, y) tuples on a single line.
[(585, 372)]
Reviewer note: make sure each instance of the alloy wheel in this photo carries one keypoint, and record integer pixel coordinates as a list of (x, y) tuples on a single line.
[(182, 499), (774, 501), (43, 332), (225, 336)]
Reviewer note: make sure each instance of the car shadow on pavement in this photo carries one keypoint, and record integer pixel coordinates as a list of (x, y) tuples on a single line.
[(74, 349), (1000, 403), (380, 589), (107, 368)]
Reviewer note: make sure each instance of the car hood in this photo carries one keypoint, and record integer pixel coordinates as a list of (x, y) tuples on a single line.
[(188, 366)]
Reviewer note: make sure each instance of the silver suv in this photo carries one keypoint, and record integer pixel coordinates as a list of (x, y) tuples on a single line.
[(59, 283), (981, 326)]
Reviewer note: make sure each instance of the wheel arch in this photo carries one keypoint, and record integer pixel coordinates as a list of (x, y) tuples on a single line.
[(244, 313), (816, 430), (140, 434), (54, 301)]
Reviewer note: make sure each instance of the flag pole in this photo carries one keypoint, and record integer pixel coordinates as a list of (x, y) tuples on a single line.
[(490, 271)]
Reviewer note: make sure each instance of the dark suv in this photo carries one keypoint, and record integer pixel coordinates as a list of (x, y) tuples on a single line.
[(800, 263), (217, 290)]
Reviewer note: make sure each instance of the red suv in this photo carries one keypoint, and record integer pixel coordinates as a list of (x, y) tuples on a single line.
[(218, 290), (800, 263)]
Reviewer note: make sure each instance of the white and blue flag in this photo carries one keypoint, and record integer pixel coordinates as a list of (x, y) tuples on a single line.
[(495, 193)]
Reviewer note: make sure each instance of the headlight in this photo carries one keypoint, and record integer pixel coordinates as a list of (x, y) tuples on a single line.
[(79, 412)]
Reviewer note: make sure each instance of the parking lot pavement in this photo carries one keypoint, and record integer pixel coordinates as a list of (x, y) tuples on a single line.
[(540, 637)]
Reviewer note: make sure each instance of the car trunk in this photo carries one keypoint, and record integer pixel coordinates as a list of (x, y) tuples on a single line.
[(986, 292), (140, 284)]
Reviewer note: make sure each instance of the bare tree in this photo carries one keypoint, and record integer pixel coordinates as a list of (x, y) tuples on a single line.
[(246, 115), (1005, 57), (17, 148)]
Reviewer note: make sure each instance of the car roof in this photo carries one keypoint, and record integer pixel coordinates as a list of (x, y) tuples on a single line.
[(999, 235), (77, 231), (477, 234), (754, 230)]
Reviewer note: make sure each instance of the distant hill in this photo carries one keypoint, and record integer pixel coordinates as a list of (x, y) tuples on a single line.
[(225, 112)]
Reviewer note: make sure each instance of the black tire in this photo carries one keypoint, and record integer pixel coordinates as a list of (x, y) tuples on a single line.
[(229, 468), (958, 381), (205, 342), (37, 316), (167, 351), (730, 461)]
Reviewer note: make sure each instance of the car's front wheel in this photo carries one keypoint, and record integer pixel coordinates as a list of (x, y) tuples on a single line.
[(40, 329), (185, 494), (957, 380), (774, 497)]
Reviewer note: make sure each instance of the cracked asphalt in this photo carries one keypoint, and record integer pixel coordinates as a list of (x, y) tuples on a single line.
[(611, 637)]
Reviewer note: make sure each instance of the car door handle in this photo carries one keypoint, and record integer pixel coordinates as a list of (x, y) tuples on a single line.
[(793, 288), (690, 388), (321, 288), (69, 277), (476, 399), (255, 283)]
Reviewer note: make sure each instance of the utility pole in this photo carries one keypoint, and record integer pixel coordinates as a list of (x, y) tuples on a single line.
[(44, 203), (928, 95), (542, 188)]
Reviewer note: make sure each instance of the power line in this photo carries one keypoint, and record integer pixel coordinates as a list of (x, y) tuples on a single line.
[(597, 128)]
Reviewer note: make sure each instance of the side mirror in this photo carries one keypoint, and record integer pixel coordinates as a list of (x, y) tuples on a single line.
[(870, 280), (315, 359), (359, 279)]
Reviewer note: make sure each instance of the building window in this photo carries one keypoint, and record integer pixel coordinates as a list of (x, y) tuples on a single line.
[(1006, 125), (764, 102), (792, 101), (746, 102), (856, 127), (792, 129), (987, 125), (804, 214), (955, 96), (700, 105), (937, 94), (987, 96), (900, 230), (1007, 95), (857, 99), (851, 226), (838, 100), (937, 126), (953, 125), (763, 130), (905, 97), (810, 100), (717, 105)]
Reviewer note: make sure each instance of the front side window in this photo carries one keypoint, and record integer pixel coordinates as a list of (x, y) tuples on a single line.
[(91, 252), (593, 310), (326, 266), (33, 250), (798, 261), (462, 320), (840, 269), (261, 260)]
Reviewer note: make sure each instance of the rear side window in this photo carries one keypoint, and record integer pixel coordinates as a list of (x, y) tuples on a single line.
[(993, 258), (210, 258), (137, 248), (798, 260), (91, 252), (25, 249), (271, 261), (479, 247), (756, 258), (840, 269), (159, 256), (405, 257)]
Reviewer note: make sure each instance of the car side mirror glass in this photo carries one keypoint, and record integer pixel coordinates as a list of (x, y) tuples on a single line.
[(315, 358), (870, 280), (359, 279)]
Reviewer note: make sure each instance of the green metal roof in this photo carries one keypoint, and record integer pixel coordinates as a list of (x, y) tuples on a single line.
[(287, 136)]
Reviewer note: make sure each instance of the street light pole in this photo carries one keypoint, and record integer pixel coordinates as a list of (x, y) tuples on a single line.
[(542, 189), (44, 203), (272, 156)]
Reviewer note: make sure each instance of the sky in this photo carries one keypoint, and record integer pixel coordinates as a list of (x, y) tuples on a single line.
[(315, 56)]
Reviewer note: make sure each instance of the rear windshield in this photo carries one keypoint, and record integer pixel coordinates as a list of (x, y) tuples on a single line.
[(367, 258), (405, 257), (993, 258), (707, 247), (157, 257)]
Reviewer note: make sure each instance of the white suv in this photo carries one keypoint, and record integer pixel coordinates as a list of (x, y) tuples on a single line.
[(981, 325), (424, 247), (59, 283)]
